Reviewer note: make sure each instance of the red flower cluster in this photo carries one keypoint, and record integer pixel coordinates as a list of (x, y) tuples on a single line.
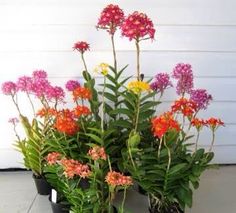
[(214, 123), (81, 110), (82, 92), (73, 167), (137, 25), (97, 153), (81, 46), (198, 123), (111, 18), (117, 179), (65, 122), (184, 106), (164, 123), (53, 157), (46, 112)]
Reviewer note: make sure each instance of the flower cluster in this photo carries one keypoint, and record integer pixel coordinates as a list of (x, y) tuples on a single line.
[(44, 112), (53, 158), (111, 17), (138, 86), (164, 123), (136, 26), (71, 85), (81, 46), (201, 98), (161, 82), (25, 84), (65, 122), (183, 73), (82, 93), (102, 69), (184, 106), (97, 153), (198, 123), (74, 168), (214, 123), (55, 93), (117, 179), (9, 88), (81, 110)]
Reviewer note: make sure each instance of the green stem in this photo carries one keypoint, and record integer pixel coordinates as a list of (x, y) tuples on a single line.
[(213, 140), (159, 148), (137, 114), (85, 66), (198, 133), (16, 104), (114, 52), (109, 163), (138, 59), (168, 167), (123, 201), (31, 103), (103, 105)]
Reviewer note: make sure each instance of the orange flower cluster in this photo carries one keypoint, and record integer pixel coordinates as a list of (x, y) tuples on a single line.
[(75, 168), (81, 110), (65, 122), (198, 123), (53, 157), (214, 123), (46, 112), (117, 179), (164, 123), (184, 106), (82, 93), (97, 153)]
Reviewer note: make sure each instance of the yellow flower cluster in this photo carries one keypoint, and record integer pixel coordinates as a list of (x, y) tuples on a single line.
[(102, 69), (138, 86)]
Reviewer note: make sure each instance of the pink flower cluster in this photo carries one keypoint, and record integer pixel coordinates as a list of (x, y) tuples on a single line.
[(37, 84), (81, 46), (71, 85), (53, 157), (201, 98), (117, 179), (184, 74), (97, 153), (111, 17), (73, 168), (137, 25), (9, 88), (161, 82)]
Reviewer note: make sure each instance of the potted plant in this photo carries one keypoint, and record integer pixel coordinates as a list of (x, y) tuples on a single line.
[(33, 145)]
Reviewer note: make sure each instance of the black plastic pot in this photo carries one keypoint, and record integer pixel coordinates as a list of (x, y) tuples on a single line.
[(59, 207), (43, 187), (141, 190)]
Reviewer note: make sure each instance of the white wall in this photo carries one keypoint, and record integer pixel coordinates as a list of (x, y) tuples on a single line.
[(39, 34)]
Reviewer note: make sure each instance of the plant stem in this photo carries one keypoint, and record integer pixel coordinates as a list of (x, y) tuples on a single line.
[(31, 103), (137, 114), (114, 52), (85, 66), (213, 140), (123, 201), (15, 102), (103, 105), (138, 59), (109, 163), (169, 156), (159, 148), (198, 133)]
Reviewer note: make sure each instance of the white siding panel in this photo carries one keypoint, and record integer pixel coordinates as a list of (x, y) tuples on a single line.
[(198, 12), (62, 38), (67, 64)]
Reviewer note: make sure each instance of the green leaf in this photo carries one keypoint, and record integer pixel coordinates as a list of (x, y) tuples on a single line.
[(177, 168), (122, 111), (95, 138)]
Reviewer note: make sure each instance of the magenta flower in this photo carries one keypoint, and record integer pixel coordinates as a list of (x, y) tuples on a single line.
[(201, 98), (13, 121), (40, 86), (111, 18), (161, 82), (81, 46), (55, 93), (138, 25), (9, 88), (39, 74), (24, 84), (184, 74), (71, 85)]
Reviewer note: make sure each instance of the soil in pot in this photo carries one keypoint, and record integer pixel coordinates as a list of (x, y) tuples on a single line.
[(59, 207), (43, 187)]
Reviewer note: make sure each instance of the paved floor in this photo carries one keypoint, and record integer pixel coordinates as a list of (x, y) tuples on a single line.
[(217, 194)]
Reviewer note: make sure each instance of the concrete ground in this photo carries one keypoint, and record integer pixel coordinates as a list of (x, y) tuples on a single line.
[(216, 194)]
